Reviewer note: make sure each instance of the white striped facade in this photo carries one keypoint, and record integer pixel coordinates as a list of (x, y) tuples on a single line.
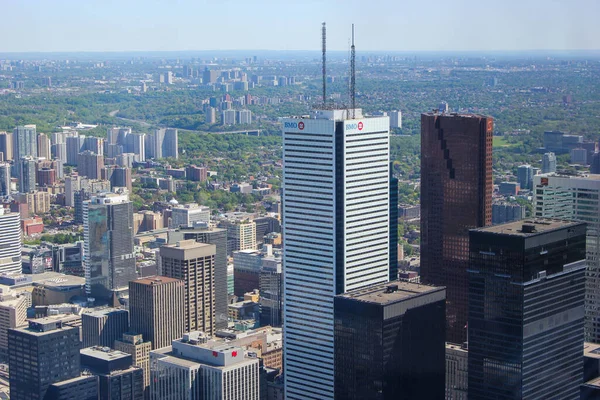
[(336, 234), (10, 242)]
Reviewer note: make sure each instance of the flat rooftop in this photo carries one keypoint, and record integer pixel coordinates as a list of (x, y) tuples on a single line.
[(104, 353), (187, 244), (536, 226), (592, 177), (380, 294), (456, 115), (57, 280), (103, 311), (155, 280), (591, 350)]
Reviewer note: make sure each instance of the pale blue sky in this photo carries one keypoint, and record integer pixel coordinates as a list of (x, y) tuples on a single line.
[(402, 25)]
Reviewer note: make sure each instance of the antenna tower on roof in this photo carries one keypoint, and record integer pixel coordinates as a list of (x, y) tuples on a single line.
[(353, 75)]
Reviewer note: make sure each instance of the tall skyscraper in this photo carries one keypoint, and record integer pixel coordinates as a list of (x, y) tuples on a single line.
[(456, 195), (156, 307), (109, 260), (44, 353), (24, 142), (526, 310), (194, 264), (390, 342), (218, 237), (6, 145), (43, 144), (94, 144), (118, 135), (576, 198), (336, 206), (548, 163), (136, 144), (210, 116), (72, 185), (103, 327), (165, 143), (74, 145), (11, 242), (525, 176), (27, 174), (4, 179), (90, 164)]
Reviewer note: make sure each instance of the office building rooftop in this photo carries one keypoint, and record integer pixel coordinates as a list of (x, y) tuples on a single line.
[(528, 227), (391, 292)]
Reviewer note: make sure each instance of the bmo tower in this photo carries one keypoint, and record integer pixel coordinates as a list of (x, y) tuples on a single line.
[(336, 198)]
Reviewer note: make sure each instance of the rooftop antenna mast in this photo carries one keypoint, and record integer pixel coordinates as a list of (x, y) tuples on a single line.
[(353, 75), (324, 48)]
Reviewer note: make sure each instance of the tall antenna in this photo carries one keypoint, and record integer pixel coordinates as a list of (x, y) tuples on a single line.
[(324, 43), (353, 74)]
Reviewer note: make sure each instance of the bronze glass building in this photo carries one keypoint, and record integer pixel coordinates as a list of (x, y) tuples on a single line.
[(456, 195)]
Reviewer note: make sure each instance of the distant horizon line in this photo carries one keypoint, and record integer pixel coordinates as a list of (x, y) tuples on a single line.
[(316, 51)]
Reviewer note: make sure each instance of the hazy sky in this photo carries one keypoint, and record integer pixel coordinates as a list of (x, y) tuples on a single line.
[(121, 25)]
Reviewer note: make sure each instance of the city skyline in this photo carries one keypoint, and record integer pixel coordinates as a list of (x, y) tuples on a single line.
[(381, 27)]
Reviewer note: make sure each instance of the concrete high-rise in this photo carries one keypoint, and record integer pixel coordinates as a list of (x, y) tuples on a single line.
[(90, 164), (75, 145), (136, 144), (548, 163), (13, 313), (188, 214), (133, 343), (11, 242), (336, 200), (525, 176), (24, 143), (27, 174), (4, 179), (117, 378), (6, 145), (526, 310), (164, 143), (117, 135), (456, 195), (156, 307), (576, 198), (389, 342), (103, 327), (43, 144), (194, 264), (218, 237), (44, 353), (109, 259)]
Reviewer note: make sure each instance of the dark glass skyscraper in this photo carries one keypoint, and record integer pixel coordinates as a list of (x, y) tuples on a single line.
[(456, 195), (389, 342), (526, 310)]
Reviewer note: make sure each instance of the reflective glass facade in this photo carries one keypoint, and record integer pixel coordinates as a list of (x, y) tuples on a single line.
[(526, 310), (456, 195), (390, 345)]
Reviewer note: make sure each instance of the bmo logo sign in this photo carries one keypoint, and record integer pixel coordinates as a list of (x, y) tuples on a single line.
[(294, 125), (355, 126)]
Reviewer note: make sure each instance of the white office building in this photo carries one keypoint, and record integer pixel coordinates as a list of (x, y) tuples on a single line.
[(10, 242), (576, 198), (336, 228), (189, 214), (194, 368)]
